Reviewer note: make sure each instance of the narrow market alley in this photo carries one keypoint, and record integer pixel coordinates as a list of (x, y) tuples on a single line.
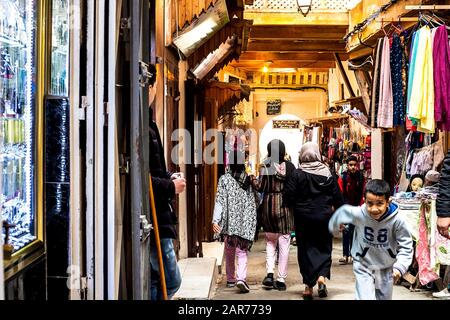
[(340, 287)]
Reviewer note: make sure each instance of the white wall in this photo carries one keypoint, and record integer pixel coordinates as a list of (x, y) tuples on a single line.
[(295, 105)]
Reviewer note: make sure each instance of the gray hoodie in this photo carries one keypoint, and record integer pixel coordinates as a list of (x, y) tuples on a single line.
[(377, 244)]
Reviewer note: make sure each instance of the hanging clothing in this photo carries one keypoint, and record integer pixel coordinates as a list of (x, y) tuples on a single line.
[(421, 104), (426, 273), (441, 57), (397, 80), (410, 125), (385, 100), (376, 84)]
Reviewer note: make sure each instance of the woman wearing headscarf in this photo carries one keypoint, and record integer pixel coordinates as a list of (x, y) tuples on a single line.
[(314, 194), (276, 220), (234, 219)]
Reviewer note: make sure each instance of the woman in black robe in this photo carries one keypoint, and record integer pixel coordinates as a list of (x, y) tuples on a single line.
[(314, 194)]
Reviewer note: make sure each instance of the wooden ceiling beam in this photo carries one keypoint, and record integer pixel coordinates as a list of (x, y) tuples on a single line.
[(277, 46), (278, 65), (335, 33), (304, 55), (283, 64)]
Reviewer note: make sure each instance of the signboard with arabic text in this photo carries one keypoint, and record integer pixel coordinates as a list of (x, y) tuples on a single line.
[(286, 124), (273, 106)]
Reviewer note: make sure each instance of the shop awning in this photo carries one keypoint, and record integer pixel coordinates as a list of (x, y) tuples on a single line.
[(227, 95), (220, 50), (332, 120)]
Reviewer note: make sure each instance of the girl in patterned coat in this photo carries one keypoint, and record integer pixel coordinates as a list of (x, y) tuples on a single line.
[(234, 219)]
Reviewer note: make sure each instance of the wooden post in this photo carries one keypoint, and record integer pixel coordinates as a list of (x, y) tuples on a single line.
[(344, 74)]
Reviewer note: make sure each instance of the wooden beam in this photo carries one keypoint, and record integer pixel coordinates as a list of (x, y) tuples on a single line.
[(292, 55), (277, 46), (294, 18), (344, 75), (328, 32), (247, 65), (373, 30)]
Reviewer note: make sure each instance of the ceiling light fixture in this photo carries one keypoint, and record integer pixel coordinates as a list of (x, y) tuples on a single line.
[(304, 6)]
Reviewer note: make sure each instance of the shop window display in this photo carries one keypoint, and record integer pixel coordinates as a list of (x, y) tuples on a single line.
[(17, 113), (60, 48)]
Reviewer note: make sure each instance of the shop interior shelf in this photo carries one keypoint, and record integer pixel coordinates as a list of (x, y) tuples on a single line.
[(11, 42)]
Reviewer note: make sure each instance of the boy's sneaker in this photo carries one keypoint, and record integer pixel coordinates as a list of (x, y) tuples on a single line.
[(443, 294), (243, 286), (268, 280), (231, 284), (279, 285)]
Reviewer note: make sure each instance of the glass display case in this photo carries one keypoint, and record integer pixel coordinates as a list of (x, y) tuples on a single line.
[(60, 48), (18, 123)]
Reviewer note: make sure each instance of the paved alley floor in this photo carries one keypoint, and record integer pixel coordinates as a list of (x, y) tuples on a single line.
[(340, 287)]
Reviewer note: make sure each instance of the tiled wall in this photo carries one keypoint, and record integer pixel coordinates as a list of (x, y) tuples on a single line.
[(57, 195)]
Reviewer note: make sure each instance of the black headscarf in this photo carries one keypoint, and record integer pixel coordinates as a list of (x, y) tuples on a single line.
[(276, 151), (237, 169)]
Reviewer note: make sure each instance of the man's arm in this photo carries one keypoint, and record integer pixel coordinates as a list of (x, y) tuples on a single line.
[(164, 188)]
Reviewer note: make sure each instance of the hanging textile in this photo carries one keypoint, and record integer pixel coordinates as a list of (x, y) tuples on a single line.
[(421, 104), (385, 100), (410, 125), (441, 58), (376, 84), (423, 256), (397, 80)]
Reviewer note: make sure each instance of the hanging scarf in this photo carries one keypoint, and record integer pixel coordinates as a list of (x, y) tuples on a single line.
[(311, 160)]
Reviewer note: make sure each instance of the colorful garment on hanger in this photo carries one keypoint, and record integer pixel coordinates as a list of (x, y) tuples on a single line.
[(410, 125), (426, 272), (441, 57), (385, 100), (376, 84), (421, 103), (397, 80)]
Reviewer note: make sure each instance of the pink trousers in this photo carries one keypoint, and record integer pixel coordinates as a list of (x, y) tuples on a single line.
[(234, 275), (284, 242)]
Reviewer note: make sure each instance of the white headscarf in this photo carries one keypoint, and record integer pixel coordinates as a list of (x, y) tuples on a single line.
[(311, 160)]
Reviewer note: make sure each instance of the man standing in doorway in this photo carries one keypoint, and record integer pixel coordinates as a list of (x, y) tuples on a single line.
[(165, 186), (351, 184)]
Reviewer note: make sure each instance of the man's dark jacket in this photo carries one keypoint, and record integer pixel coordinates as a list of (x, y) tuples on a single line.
[(443, 200), (163, 186)]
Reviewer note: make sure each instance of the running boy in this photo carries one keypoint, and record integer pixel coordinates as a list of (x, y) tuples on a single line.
[(382, 243)]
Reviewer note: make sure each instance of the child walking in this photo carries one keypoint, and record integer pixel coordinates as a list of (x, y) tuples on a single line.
[(235, 220), (382, 243)]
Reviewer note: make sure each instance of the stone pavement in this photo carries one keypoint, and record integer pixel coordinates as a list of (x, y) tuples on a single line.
[(340, 287)]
